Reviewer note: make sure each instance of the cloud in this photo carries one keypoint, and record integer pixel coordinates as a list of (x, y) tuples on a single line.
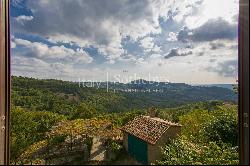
[(104, 23), (228, 68), (56, 53), (212, 60), (148, 44), (74, 36), (175, 52), (38, 68), (172, 36), (31, 62), (22, 19), (189, 46), (93, 22), (131, 47), (216, 45), (212, 9), (213, 29), (22, 42), (184, 35), (12, 44)]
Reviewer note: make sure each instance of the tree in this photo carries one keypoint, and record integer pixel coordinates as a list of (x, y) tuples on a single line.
[(152, 112), (183, 152), (193, 122), (85, 111), (223, 127), (28, 127)]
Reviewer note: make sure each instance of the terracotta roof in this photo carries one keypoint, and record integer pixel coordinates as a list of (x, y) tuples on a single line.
[(147, 128)]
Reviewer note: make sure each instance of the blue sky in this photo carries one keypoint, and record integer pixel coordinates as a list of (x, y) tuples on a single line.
[(191, 41)]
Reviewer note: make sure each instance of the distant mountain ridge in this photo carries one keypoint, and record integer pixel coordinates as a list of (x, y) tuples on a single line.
[(228, 86), (145, 84), (119, 97)]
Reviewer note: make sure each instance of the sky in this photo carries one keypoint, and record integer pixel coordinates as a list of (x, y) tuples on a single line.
[(188, 41)]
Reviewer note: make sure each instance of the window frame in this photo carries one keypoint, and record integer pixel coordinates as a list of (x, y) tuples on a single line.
[(243, 83), (4, 81)]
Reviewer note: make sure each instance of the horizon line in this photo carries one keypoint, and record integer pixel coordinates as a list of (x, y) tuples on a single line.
[(103, 81)]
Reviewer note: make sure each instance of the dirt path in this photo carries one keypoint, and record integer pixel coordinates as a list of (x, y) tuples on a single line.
[(97, 152)]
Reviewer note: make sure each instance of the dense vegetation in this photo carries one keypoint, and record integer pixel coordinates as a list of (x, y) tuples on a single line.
[(63, 97), (208, 137), (208, 116), (28, 127)]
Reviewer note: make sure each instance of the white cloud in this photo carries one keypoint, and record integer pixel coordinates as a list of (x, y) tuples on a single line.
[(34, 67), (31, 62), (212, 9), (100, 23), (228, 68), (43, 51), (105, 24), (111, 52), (172, 36), (147, 43), (22, 19), (156, 49), (21, 42), (12, 44)]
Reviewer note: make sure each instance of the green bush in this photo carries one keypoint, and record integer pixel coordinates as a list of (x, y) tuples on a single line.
[(28, 127), (84, 111), (183, 152), (115, 147), (218, 125), (208, 137), (58, 139), (193, 122), (221, 129)]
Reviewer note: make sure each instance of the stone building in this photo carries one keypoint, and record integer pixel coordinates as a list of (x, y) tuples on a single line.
[(144, 136)]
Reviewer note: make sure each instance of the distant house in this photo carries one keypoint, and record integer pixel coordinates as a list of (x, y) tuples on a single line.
[(144, 136)]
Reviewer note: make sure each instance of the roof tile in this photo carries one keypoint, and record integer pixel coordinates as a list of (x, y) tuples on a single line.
[(147, 128)]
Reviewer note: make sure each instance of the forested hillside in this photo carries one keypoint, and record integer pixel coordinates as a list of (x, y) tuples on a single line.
[(45, 113), (63, 97)]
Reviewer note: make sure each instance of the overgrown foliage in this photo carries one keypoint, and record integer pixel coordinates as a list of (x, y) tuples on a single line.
[(28, 127), (183, 152), (208, 137)]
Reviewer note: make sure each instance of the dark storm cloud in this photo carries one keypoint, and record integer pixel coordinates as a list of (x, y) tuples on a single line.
[(175, 52), (227, 68), (213, 29)]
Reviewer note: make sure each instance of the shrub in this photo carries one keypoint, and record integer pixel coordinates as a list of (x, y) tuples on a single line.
[(223, 127), (183, 152), (193, 122)]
